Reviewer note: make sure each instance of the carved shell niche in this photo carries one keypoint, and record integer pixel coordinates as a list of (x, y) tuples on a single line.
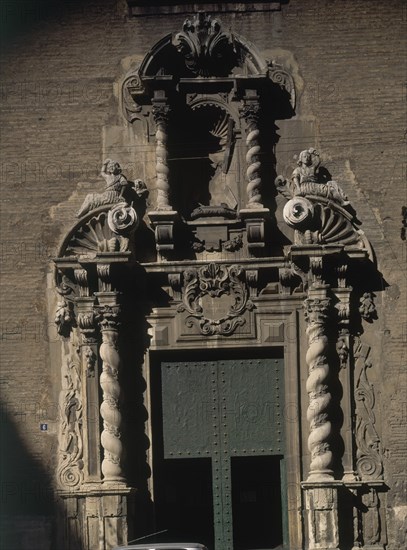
[(317, 223), (95, 236)]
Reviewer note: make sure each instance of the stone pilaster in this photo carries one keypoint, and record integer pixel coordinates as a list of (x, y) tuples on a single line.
[(89, 362), (346, 380)]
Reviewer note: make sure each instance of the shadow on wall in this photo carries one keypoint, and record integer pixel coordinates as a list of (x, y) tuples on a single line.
[(28, 504)]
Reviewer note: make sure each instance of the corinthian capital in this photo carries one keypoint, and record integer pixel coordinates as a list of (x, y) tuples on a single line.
[(161, 113), (250, 112)]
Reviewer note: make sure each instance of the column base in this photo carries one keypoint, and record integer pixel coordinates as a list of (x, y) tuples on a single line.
[(321, 509), (96, 517)]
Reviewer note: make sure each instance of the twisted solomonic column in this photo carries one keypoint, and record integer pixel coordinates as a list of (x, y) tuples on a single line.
[(108, 317), (251, 114), (160, 115), (316, 314)]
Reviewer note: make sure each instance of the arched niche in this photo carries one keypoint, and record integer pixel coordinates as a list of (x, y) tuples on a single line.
[(212, 99)]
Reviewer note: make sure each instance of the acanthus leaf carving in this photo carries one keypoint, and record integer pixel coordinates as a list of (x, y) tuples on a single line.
[(202, 42), (64, 313), (367, 307), (369, 462), (70, 467), (108, 316), (86, 324), (215, 280)]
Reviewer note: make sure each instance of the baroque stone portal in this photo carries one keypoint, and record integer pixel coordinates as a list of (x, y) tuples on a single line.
[(206, 271)]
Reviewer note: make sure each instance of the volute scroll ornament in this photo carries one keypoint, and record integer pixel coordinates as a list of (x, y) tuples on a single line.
[(132, 90), (280, 76)]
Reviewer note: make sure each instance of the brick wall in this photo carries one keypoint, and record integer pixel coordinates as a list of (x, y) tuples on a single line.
[(58, 83)]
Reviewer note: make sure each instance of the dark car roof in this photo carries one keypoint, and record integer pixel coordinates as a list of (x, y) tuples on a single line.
[(164, 546)]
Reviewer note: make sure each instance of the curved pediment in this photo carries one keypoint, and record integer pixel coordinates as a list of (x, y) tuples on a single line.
[(201, 51)]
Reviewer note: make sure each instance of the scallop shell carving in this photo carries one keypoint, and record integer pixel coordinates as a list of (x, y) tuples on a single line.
[(96, 236)]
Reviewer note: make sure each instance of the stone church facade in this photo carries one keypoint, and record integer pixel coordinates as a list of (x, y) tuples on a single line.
[(206, 328)]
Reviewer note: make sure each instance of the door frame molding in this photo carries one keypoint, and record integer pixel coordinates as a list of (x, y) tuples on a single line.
[(275, 326)]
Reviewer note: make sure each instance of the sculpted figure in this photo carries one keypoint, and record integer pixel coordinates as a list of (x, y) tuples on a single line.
[(116, 186), (308, 163), (306, 180)]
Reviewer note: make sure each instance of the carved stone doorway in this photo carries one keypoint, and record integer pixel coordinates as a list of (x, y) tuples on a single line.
[(218, 446)]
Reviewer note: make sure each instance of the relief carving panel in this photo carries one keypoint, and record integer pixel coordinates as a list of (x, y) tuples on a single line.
[(215, 298)]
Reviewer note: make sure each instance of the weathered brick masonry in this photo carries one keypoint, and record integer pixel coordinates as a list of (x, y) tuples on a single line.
[(59, 96)]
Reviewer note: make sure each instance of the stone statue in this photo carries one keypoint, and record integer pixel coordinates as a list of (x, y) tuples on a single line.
[(307, 180), (116, 191), (307, 171)]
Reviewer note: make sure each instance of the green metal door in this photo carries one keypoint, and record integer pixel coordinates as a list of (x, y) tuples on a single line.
[(223, 410)]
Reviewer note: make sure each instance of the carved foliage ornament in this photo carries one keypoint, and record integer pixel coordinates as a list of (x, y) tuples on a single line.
[(215, 281), (64, 313), (201, 42), (369, 462), (70, 468)]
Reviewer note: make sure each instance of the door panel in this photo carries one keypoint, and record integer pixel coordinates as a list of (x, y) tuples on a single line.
[(185, 498), (230, 413), (256, 490)]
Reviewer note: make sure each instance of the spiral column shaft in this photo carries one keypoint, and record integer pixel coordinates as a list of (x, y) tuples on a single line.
[(160, 115), (316, 313), (251, 114), (108, 316)]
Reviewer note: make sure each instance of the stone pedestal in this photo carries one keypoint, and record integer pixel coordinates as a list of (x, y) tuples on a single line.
[(96, 517), (164, 222), (255, 220), (321, 509)]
